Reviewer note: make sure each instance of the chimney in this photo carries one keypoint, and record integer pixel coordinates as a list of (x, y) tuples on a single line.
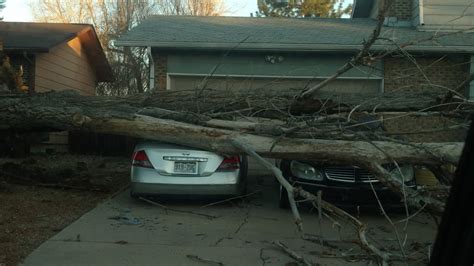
[(400, 13)]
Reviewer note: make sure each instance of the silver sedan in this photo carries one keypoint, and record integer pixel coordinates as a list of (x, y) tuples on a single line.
[(169, 169)]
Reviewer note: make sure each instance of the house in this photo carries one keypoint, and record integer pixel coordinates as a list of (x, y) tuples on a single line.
[(238, 52), (56, 56)]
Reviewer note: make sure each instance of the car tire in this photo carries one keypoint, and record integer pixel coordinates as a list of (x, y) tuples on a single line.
[(243, 176), (134, 195), (283, 202), (243, 188)]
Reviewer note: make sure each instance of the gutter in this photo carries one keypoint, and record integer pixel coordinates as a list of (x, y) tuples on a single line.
[(290, 47), (151, 64), (26, 49)]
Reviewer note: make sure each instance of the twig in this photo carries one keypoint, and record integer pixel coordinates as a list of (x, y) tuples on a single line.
[(176, 210), (292, 253), (206, 261), (321, 241), (361, 228), (413, 215), (292, 191), (320, 215), (359, 58), (67, 187), (203, 83), (263, 259), (382, 209), (279, 176), (231, 199)]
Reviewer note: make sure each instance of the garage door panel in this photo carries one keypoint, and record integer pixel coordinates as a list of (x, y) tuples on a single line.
[(184, 82)]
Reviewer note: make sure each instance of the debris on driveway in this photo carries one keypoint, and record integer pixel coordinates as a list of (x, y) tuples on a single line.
[(126, 220)]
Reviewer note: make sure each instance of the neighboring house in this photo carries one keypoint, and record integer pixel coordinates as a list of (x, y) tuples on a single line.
[(286, 52), (56, 56)]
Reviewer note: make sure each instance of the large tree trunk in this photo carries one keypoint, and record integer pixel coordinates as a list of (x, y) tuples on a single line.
[(143, 117), (126, 116), (262, 103)]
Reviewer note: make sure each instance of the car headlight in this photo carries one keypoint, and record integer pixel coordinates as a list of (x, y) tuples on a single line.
[(305, 171), (406, 172)]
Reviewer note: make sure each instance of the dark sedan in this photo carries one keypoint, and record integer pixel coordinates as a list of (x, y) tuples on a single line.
[(344, 185)]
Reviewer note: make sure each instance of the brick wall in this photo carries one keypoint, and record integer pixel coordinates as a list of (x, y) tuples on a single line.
[(402, 74), (402, 9), (434, 73), (425, 129), (161, 68)]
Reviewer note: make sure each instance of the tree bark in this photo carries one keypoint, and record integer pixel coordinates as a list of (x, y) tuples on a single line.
[(123, 116), (262, 103)]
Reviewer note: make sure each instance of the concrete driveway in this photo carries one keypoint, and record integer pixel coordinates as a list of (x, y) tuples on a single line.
[(123, 231)]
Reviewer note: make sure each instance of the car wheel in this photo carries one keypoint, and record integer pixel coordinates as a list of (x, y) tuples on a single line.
[(134, 195), (243, 188), (243, 176), (283, 202)]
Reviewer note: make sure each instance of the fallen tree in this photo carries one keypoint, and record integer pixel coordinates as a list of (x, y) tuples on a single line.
[(143, 117), (123, 116)]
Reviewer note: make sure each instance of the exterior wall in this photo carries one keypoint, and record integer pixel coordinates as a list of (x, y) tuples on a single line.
[(416, 11), (27, 62), (65, 67), (375, 10), (160, 61), (442, 14), (186, 82), (266, 64), (471, 84), (424, 129), (401, 9), (434, 73), (256, 70), (443, 72)]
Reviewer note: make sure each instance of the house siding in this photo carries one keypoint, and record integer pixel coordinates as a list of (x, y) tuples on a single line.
[(471, 83), (256, 70), (65, 67), (260, 64), (452, 14), (429, 73)]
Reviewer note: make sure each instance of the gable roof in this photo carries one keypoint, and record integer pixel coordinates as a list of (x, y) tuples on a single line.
[(41, 37), (285, 34)]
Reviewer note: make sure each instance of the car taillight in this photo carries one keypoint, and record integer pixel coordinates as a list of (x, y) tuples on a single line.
[(140, 159), (230, 163)]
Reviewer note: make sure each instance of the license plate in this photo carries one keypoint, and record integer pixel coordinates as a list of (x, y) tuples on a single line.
[(185, 167)]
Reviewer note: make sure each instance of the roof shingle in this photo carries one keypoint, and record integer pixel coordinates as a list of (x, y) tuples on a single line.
[(281, 33)]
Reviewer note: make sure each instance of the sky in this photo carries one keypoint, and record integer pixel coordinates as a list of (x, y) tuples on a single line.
[(19, 10)]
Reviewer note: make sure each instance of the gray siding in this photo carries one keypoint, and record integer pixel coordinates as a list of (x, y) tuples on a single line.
[(471, 84), (181, 82), (292, 65), (452, 14)]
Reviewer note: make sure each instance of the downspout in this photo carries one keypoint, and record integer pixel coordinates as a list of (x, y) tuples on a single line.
[(152, 69), (421, 12)]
